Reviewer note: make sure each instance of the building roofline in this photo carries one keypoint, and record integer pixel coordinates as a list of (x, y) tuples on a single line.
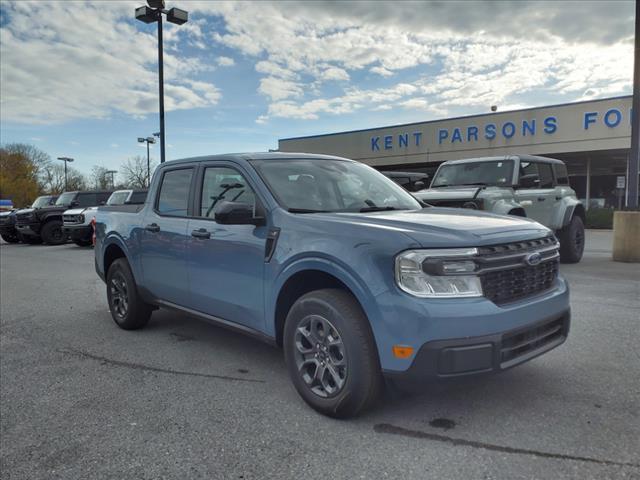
[(477, 115)]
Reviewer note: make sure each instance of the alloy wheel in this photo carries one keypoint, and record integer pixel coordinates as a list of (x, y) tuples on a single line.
[(320, 356)]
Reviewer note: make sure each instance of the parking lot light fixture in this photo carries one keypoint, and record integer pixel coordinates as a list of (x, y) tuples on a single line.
[(65, 160), (112, 172), (152, 12)]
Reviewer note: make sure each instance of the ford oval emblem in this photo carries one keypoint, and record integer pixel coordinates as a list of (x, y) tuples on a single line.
[(533, 259)]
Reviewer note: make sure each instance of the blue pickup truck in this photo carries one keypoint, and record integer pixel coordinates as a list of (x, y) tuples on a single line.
[(352, 276)]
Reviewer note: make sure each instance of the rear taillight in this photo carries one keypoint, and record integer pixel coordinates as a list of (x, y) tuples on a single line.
[(93, 228)]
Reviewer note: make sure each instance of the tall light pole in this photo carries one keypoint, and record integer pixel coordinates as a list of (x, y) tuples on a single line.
[(147, 140), (150, 14), (112, 172), (65, 160), (634, 155)]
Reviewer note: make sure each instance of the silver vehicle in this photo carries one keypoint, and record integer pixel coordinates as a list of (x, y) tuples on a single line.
[(523, 185), (77, 221)]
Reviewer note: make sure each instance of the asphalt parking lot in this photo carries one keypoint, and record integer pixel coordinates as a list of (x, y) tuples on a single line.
[(80, 398)]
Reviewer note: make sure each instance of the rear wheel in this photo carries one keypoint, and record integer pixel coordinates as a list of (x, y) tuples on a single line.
[(10, 237), (330, 353), (52, 233), (572, 241), (127, 308)]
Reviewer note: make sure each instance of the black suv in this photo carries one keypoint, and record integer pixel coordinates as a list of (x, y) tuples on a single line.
[(46, 223), (8, 230), (411, 181)]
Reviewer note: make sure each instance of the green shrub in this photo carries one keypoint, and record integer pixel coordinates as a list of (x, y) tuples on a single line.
[(600, 218)]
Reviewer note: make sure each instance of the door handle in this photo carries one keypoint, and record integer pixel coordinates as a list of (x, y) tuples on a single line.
[(201, 233), (152, 227), (541, 199)]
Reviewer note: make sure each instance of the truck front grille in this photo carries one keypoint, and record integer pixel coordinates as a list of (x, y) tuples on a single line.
[(505, 286), (72, 219), (24, 217), (525, 342), (515, 271)]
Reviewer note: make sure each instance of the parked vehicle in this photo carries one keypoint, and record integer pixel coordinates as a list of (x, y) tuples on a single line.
[(340, 266), (45, 224), (522, 185), (412, 181), (8, 230), (76, 222)]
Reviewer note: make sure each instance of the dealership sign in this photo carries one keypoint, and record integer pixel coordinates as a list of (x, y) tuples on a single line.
[(527, 129)]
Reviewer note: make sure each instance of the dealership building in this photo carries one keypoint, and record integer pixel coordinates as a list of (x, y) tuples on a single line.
[(593, 138)]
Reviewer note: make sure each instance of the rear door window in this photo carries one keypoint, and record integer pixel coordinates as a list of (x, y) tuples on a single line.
[(173, 198), (546, 175)]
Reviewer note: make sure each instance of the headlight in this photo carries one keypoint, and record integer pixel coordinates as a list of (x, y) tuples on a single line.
[(80, 218), (442, 273)]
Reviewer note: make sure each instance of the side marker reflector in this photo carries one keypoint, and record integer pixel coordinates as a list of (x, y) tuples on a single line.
[(402, 351)]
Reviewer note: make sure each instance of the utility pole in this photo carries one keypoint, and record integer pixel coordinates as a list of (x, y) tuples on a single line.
[(634, 155), (65, 160)]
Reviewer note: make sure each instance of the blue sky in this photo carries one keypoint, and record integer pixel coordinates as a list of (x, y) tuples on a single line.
[(241, 75)]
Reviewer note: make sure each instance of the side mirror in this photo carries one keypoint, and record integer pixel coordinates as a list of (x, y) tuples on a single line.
[(529, 181), (234, 213), (419, 185), (74, 203)]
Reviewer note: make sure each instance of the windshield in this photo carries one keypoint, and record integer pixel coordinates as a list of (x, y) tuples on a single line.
[(41, 202), (118, 198), (65, 198), (497, 173), (319, 185)]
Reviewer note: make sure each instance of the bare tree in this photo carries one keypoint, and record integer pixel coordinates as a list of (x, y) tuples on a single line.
[(52, 178), (134, 171), (100, 179)]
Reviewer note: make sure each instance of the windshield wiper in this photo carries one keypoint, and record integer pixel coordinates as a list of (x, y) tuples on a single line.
[(480, 184), (306, 210), (377, 209)]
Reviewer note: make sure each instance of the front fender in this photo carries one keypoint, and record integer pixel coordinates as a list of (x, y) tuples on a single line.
[(564, 211), (331, 266), (503, 207)]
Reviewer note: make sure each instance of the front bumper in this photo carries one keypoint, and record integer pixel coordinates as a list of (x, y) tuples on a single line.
[(486, 354), (78, 232), (29, 229)]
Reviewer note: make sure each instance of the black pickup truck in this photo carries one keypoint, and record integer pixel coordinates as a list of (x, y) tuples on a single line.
[(46, 223)]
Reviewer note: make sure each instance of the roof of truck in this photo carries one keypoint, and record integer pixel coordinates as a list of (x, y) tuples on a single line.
[(530, 158), (257, 156)]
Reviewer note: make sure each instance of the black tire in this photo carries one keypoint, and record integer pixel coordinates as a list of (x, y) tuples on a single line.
[(357, 368), (127, 308), (29, 239), (10, 238), (52, 233), (83, 242), (572, 241)]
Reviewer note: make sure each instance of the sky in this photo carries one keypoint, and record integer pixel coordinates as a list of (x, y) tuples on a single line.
[(79, 79)]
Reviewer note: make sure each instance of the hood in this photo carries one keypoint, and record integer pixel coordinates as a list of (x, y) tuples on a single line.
[(52, 208), (460, 193), (5, 214), (76, 211), (435, 227)]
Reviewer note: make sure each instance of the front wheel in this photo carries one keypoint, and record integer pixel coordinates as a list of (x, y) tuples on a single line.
[(572, 241), (330, 353), (10, 237), (52, 233), (127, 308)]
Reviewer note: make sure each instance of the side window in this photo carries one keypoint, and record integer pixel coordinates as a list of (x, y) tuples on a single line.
[(87, 200), (173, 198), (103, 197), (546, 175), (562, 176), (223, 184)]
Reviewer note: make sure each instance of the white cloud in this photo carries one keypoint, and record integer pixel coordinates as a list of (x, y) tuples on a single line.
[(381, 71), (279, 89), (226, 61), (105, 63)]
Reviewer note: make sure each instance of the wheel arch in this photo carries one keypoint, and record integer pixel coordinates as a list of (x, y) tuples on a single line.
[(310, 275)]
